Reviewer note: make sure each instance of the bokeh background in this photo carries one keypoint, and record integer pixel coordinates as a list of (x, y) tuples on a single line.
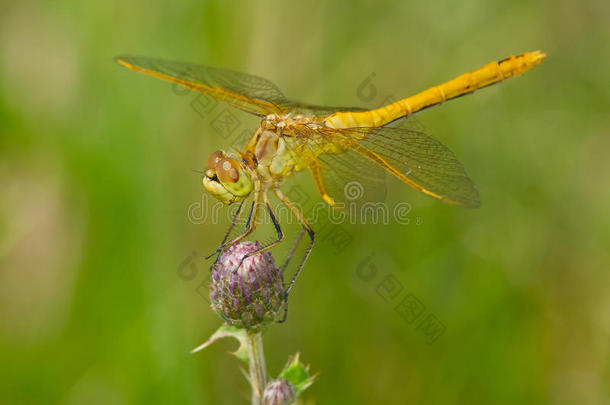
[(101, 275)]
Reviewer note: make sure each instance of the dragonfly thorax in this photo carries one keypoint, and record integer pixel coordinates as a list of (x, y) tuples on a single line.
[(279, 122), (273, 147)]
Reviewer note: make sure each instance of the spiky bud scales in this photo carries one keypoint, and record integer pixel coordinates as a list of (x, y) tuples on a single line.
[(278, 392), (251, 295)]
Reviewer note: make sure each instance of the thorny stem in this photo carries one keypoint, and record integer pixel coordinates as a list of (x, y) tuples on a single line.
[(258, 375)]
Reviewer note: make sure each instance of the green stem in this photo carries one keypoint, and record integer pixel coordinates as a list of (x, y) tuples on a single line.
[(258, 375)]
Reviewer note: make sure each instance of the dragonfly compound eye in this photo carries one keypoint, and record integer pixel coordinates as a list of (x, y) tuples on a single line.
[(233, 177), (214, 159), (227, 171)]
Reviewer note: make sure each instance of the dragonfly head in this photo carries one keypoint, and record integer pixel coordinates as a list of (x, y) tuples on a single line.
[(226, 178)]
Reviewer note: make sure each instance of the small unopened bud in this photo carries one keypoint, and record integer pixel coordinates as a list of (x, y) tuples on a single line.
[(251, 295), (278, 392)]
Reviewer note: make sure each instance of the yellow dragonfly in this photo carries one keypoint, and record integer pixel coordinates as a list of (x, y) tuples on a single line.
[(293, 137)]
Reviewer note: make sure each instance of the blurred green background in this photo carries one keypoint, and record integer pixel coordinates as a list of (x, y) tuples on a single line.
[(96, 183)]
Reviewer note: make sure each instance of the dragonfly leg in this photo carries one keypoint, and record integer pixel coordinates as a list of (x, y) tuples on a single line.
[(306, 227), (278, 229), (292, 250), (233, 223), (250, 225), (316, 173)]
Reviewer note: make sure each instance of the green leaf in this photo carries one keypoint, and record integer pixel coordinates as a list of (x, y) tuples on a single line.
[(229, 331), (297, 374)]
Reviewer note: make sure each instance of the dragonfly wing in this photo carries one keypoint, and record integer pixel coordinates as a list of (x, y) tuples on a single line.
[(417, 159), (350, 179), (250, 93), (412, 156), (247, 92)]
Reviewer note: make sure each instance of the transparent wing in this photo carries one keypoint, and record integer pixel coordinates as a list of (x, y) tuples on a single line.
[(249, 93), (412, 156), (352, 179), (246, 92), (349, 178)]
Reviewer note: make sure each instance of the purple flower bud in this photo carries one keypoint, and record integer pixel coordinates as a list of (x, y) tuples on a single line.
[(278, 392), (250, 296)]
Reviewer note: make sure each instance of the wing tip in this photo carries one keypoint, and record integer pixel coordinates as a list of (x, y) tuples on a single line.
[(474, 204), (123, 60), (466, 203), (470, 200), (473, 201), (120, 60)]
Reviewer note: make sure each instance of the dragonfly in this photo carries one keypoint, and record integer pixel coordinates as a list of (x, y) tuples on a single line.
[(335, 144)]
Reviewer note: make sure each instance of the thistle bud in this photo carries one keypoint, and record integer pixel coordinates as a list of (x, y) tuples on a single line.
[(278, 392), (251, 295)]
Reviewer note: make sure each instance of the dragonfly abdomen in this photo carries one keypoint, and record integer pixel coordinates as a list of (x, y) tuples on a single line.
[(489, 74)]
